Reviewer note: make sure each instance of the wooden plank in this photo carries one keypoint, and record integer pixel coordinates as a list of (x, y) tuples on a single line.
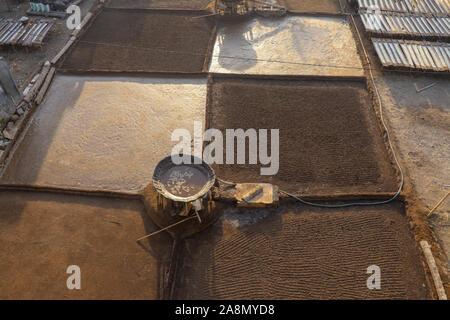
[(45, 86)]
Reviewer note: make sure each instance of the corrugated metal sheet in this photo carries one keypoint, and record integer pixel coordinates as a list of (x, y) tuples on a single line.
[(403, 24), (428, 7), (413, 54), (16, 33)]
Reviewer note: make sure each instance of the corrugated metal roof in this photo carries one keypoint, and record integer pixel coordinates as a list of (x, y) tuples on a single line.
[(16, 33), (403, 24), (413, 54), (429, 7)]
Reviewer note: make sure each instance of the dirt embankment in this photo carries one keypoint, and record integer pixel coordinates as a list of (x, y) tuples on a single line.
[(416, 122)]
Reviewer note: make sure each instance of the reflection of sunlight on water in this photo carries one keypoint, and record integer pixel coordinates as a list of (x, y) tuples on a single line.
[(183, 181)]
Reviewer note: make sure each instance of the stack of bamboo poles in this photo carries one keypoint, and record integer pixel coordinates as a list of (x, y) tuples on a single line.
[(17, 33)]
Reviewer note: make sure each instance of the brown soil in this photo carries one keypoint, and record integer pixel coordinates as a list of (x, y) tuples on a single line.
[(160, 4), (41, 234), (162, 212), (330, 141), (147, 41), (314, 6), (417, 122), (298, 252)]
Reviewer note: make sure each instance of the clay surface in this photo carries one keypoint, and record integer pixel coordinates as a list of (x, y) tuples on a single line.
[(292, 45), (41, 235), (105, 132), (298, 252), (420, 124)]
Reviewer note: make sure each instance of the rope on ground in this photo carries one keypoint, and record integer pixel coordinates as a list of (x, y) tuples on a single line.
[(388, 135)]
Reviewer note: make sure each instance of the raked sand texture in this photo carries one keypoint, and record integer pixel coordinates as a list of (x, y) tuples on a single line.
[(136, 40), (299, 252)]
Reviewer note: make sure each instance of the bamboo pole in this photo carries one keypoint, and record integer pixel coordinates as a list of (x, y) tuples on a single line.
[(166, 228), (438, 204), (433, 270)]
